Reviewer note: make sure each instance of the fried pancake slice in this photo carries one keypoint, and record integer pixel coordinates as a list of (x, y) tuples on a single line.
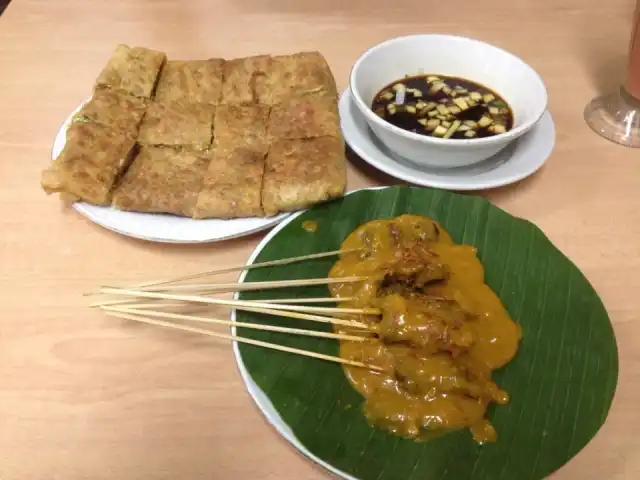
[(301, 173), (245, 80), (90, 164), (304, 117), (177, 125), (192, 81), (233, 184), (235, 123), (113, 109), (132, 70), (299, 75), (162, 180)]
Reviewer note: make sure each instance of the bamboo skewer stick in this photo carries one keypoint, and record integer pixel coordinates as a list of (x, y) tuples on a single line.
[(250, 286), (125, 301), (256, 326), (239, 304), (283, 261), (308, 300), (201, 289), (269, 309), (249, 341), (306, 316), (131, 302), (128, 304), (249, 303), (303, 308), (239, 287)]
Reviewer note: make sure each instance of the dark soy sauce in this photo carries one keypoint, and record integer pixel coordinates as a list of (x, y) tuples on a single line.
[(444, 107)]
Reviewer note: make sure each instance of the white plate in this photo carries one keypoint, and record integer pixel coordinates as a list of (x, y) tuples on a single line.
[(259, 397), (165, 228), (517, 161)]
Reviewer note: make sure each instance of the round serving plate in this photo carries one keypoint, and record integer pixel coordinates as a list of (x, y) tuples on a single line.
[(561, 383), (156, 227)]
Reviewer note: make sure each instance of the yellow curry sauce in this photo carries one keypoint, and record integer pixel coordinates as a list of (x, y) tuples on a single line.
[(310, 226), (441, 333)]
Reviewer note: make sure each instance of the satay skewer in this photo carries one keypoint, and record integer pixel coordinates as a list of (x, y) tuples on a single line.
[(283, 261), (216, 321), (235, 338)]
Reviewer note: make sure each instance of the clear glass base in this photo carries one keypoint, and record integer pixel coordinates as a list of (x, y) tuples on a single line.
[(616, 117)]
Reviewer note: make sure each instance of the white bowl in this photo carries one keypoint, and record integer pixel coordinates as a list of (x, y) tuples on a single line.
[(477, 61)]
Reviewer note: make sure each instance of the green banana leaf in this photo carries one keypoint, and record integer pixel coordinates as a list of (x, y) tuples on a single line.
[(561, 383)]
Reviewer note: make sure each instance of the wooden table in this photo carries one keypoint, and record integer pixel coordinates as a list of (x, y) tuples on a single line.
[(82, 397)]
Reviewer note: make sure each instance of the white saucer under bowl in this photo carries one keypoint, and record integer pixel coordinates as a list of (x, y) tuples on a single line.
[(519, 160)]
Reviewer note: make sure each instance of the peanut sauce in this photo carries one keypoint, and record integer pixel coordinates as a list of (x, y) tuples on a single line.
[(441, 333)]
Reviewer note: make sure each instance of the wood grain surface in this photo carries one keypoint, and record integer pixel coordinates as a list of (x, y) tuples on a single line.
[(86, 397)]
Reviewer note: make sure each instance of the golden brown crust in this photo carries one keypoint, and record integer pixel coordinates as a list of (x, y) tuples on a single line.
[(233, 184), (304, 117), (132, 70), (299, 75), (177, 125), (300, 173), (245, 80), (234, 124), (192, 81), (113, 109), (162, 180), (220, 139), (92, 160)]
